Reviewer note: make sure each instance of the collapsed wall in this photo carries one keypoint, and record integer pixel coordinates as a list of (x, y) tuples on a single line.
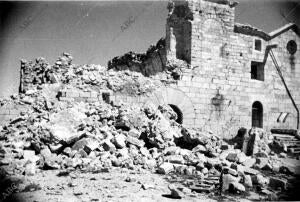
[(149, 63), (61, 132), (225, 70)]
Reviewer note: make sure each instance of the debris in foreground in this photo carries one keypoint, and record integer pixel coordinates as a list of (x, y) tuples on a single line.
[(58, 134)]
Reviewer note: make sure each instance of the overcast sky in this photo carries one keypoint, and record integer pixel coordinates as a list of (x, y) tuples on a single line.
[(92, 31)]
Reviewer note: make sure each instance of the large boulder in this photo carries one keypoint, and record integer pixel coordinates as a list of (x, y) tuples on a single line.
[(119, 141), (165, 168), (63, 124), (249, 162), (256, 141), (135, 141), (228, 180)]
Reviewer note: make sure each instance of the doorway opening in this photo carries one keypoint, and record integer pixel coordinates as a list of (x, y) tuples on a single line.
[(178, 112), (257, 114)]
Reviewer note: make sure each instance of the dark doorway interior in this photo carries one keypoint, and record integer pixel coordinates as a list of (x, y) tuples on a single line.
[(257, 115), (178, 112)]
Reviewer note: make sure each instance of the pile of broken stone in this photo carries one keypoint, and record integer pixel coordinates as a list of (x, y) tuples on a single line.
[(38, 73), (94, 137)]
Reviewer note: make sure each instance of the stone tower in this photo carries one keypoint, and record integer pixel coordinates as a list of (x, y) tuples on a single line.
[(198, 31)]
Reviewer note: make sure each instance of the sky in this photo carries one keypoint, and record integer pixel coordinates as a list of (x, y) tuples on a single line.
[(95, 32)]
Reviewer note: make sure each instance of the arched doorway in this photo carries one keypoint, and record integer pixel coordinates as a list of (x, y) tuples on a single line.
[(257, 114), (176, 97), (178, 112)]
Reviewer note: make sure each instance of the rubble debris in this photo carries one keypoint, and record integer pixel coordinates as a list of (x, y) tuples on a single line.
[(178, 192), (96, 136), (80, 81), (165, 168), (140, 62)]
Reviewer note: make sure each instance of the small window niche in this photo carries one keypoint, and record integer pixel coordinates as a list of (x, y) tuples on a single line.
[(291, 47), (257, 71), (257, 44)]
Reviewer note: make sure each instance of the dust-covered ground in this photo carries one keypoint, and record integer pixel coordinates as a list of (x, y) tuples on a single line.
[(116, 185)]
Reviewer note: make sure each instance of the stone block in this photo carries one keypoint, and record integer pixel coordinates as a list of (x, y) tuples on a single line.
[(94, 94), (119, 141), (261, 162), (227, 181), (14, 112), (248, 181), (165, 168), (84, 94), (233, 157), (176, 159), (135, 141), (249, 162), (108, 146), (92, 99), (72, 94), (276, 183), (29, 155), (68, 99)]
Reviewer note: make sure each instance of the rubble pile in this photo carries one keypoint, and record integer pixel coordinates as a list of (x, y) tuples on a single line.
[(35, 74), (167, 71), (97, 136), (138, 62)]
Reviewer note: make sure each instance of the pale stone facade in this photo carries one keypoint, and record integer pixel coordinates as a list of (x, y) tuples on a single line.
[(220, 53), (229, 84)]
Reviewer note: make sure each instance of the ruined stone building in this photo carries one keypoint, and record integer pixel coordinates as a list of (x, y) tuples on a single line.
[(223, 75), (236, 75)]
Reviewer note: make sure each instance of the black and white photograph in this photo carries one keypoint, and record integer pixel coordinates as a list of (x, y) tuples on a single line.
[(166, 100)]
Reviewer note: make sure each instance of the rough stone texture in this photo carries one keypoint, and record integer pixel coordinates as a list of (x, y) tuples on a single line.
[(219, 53), (10, 111), (150, 63), (221, 59), (165, 168), (215, 90), (278, 183)]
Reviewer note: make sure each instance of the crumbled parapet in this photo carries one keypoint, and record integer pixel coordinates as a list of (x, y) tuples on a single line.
[(87, 83), (152, 63), (174, 68), (149, 63), (63, 61), (34, 74), (225, 2), (250, 30)]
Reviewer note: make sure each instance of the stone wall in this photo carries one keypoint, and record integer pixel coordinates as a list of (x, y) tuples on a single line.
[(149, 63), (178, 31), (10, 111), (76, 95), (165, 95), (221, 63), (218, 83)]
